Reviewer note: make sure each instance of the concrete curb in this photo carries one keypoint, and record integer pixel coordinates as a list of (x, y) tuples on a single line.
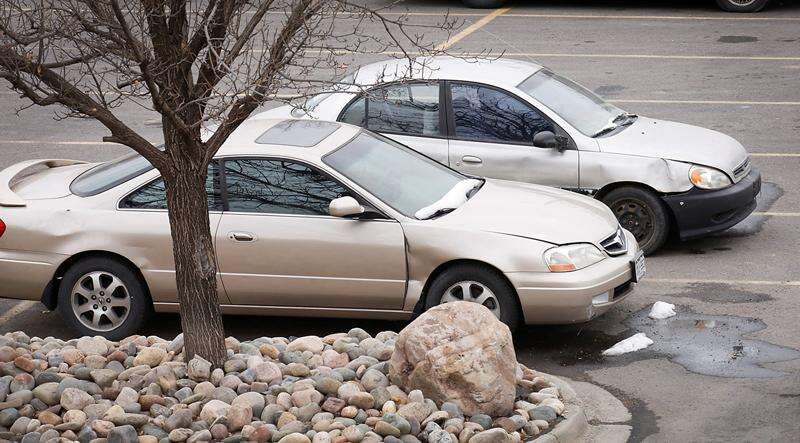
[(574, 425)]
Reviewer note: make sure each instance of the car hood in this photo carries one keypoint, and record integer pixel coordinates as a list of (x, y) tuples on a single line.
[(650, 137), (532, 211)]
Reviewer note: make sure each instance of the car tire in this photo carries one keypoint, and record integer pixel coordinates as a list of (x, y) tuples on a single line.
[(479, 278), (484, 4), (120, 313), (642, 213), (742, 5)]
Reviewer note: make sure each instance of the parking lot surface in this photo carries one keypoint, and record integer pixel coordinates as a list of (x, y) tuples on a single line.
[(726, 367)]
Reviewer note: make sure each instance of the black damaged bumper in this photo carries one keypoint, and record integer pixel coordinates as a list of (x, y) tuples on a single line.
[(699, 212)]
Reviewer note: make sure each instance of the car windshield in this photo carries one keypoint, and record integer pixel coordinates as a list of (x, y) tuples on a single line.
[(109, 174), (400, 177), (581, 108)]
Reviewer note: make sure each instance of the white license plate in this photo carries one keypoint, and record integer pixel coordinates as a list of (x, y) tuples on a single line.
[(639, 267)]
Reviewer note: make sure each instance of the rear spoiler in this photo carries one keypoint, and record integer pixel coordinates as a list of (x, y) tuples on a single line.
[(12, 173)]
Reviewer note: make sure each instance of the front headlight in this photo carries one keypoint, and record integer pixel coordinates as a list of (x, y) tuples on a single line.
[(708, 178), (572, 257)]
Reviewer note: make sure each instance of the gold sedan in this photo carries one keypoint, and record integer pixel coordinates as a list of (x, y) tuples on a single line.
[(310, 218)]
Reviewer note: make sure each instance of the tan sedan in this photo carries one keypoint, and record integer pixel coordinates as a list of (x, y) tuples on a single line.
[(310, 218)]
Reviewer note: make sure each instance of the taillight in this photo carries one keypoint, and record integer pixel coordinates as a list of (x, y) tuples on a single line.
[(2, 227)]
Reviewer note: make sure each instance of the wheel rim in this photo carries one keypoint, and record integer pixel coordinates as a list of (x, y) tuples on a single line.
[(474, 292), (742, 2), (100, 301), (635, 216)]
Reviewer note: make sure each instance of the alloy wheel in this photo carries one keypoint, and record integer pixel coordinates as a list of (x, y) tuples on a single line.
[(100, 301), (475, 292)]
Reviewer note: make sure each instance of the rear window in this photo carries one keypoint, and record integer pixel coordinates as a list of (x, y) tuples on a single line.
[(110, 174)]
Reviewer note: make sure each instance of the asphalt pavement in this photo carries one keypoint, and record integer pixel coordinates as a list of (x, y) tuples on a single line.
[(726, 367)]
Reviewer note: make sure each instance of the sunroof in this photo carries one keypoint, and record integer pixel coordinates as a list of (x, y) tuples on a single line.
[(300, 133)]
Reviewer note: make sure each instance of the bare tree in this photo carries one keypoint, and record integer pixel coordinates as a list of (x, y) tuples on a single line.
[(194, 64)]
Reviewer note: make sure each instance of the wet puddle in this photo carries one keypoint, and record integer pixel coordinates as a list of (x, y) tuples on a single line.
[(703, 344), (770, 193), (712, 344), (721, 293)]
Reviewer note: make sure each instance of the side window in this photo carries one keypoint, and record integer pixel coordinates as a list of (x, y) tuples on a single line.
[(487, 115), (154, 196), (411, 109), (279, 187), (355, 113)]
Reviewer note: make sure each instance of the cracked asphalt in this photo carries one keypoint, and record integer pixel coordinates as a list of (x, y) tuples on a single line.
[(726, 367)]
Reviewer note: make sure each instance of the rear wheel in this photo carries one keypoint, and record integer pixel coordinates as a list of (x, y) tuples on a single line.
[(742, 5), (642, 213), (476, 284), (101, 296), (484, 3)]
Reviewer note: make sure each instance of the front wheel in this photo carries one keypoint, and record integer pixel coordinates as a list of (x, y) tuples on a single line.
[(642, 213), (484, 4), (742, 5), (477, 284), (101, 296)]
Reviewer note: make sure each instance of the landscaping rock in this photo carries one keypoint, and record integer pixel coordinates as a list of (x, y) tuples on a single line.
[(461, 353)]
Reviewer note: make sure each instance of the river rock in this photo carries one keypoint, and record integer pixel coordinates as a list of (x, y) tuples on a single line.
[(73, 398)]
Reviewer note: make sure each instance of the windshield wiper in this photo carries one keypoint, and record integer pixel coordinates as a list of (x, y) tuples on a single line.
[(475, 189), (623, 119), (626, 118), (439, 213)]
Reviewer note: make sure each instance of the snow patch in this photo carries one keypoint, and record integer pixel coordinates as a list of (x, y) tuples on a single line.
[(662, 310), (630, 344), (454, 198)]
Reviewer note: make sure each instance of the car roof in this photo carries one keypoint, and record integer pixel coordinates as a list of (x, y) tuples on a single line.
[(499, 72), (257, 137)]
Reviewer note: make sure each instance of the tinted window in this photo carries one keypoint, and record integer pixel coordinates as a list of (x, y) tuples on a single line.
[(488, 115), (279, 187), (405, 109), (354, 114), (154, 196), (109, 174)]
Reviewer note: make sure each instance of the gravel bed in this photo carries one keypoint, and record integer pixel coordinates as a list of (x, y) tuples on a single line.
[(271, 389)]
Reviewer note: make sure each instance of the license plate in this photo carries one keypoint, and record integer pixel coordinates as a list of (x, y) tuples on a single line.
[(639, 267)]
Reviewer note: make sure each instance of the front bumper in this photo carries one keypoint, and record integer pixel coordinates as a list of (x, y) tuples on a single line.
[(571, 297), (699, 212)]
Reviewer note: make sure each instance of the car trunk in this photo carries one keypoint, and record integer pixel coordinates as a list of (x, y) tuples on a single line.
[(44, 182)]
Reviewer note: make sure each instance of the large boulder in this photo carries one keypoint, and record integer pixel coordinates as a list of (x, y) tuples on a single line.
[(458, 352)]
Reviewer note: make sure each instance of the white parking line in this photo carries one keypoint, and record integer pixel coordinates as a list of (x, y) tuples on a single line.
[(723, 281), (774, 154), (642, 56), (776, 214), (17, 309), (707, 102)]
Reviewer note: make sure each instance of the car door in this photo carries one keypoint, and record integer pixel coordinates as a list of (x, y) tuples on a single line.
[(147, 208), (277, 245), (491, 135), (409, 113)]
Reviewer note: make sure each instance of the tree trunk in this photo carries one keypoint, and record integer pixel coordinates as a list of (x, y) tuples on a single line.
[(195, 264)]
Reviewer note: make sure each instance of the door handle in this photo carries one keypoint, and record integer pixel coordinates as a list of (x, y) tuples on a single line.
[(471, 159), (241, 236)]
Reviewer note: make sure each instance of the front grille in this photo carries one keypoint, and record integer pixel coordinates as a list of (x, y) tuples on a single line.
[(742, 170), (615, 244)]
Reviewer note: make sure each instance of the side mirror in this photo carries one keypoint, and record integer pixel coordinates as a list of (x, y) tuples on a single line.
[(545, 139), (345, 207)]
